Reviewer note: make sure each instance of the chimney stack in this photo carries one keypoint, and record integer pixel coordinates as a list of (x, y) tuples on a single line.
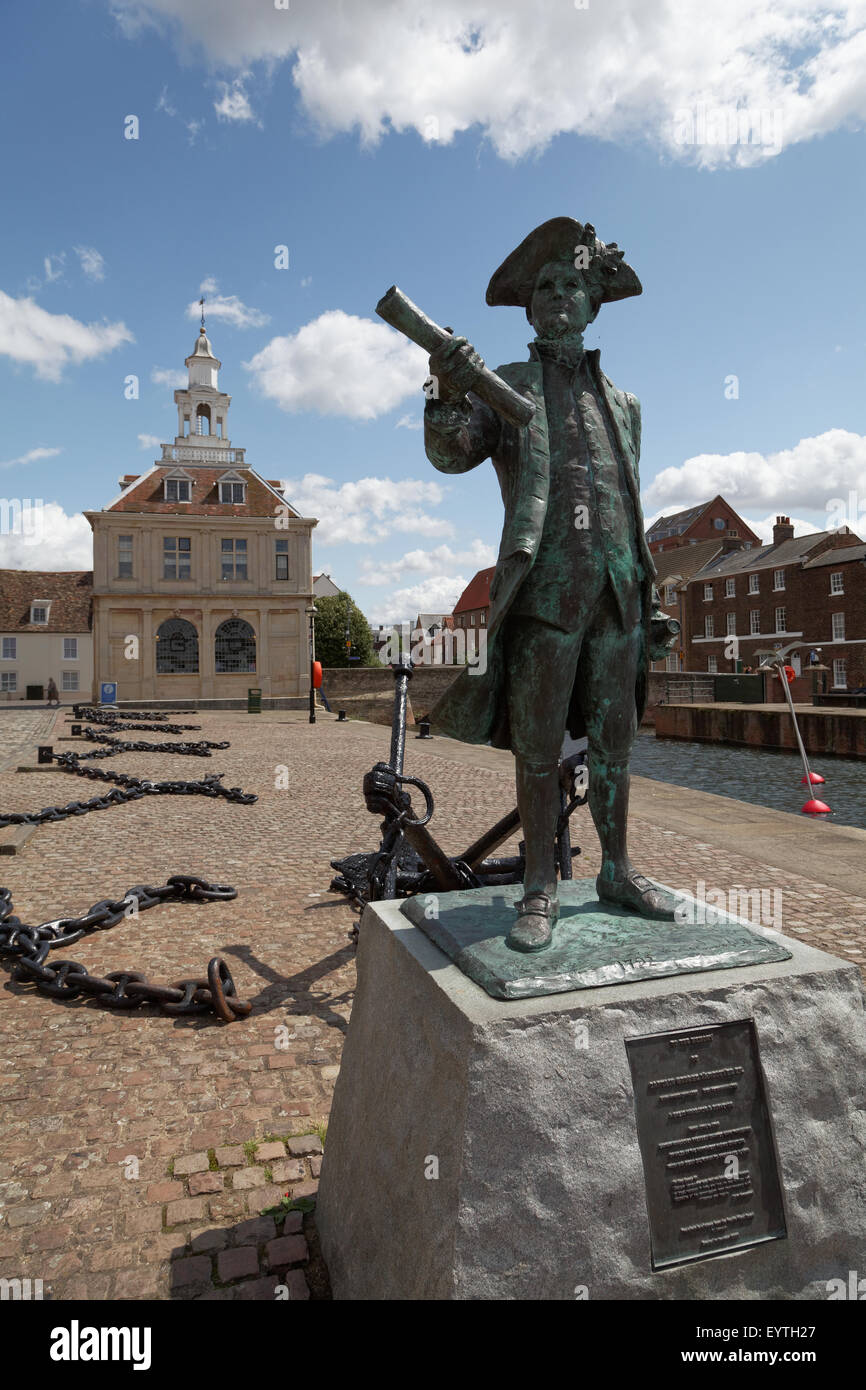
[(783, 530)]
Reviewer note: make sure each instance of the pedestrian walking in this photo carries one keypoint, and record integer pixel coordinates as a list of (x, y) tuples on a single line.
[(53, 696)]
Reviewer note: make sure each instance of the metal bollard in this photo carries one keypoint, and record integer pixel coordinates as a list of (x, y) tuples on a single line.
[(423, 729), (76, 729), (341, 716), (45, 753)]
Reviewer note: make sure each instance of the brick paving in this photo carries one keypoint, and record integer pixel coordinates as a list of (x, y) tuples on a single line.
[(126, 1162)]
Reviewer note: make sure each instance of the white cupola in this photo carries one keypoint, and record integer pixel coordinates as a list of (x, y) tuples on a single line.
[(202, 409)]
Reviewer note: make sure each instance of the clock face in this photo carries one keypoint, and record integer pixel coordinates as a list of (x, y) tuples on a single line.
[(719, 523)]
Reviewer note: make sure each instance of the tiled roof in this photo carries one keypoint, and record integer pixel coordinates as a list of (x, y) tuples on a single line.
[(677, 519), (789, 552), (70, 593), (477, 592), (686, 560), (147, 495), (841, 555), (426, 621)]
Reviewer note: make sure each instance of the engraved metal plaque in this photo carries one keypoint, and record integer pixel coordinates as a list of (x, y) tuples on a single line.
[(703, 1125)]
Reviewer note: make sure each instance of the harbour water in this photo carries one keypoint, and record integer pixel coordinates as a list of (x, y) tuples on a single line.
[(763, 776)]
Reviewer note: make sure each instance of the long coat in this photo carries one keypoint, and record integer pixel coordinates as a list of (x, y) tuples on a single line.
[(474, 708)]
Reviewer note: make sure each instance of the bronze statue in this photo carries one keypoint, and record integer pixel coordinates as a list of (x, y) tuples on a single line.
[(574, 615)]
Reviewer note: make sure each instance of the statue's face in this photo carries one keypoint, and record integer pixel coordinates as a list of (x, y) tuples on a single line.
[(560, 303)]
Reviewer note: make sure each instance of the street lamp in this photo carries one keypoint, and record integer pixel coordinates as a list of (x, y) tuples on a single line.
[(311, 614)]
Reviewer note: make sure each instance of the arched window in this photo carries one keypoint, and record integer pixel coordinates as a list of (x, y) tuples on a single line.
[(235, 646), (202, 420), (176, 648)]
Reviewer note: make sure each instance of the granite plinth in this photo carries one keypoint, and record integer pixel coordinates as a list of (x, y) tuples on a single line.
[(594, 943), (490, 1149)]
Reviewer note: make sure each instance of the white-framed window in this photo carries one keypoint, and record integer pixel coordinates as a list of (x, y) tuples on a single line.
[(730, 624), (9, 648), (39, 611), (482, 620), (471, 619), (68, 680), (281, 557), (730, 588), (712, 665), (233, 559), (708, 593), (70, 649), (672, 663), (754, 584), (840, 677), (176, 557), (778, 579), (124, 557), (233, 489), (838, 621), (177, 489), (837, 585), (8, 680), (708, 626), (781, 618), (747, 545), (755, 620), (670, 593)]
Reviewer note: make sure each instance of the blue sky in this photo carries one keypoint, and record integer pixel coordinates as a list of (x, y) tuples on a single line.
[(391, 142)]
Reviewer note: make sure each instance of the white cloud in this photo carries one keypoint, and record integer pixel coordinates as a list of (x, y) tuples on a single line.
[(234, 104), (53, 267), (149, 441), (623, 71), (409, 422), (339, 364), (227, 307), (367, 510), (32, 456), (193, 128), (164, 103), (47, 539), (49, 342), (306, 281), (92, 262), (440, 563), (434, 595), (169, 376), (805, 477)]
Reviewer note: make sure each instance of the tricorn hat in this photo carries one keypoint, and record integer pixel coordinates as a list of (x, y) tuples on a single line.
[(603, 267)]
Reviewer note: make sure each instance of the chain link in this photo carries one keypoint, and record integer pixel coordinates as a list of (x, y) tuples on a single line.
[(29, 946), (128, 788)]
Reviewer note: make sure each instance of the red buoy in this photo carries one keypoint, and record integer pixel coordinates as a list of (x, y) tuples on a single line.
[(814, 777), (816, 808)]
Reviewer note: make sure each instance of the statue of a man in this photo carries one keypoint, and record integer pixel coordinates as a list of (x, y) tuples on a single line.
[(572, 599)]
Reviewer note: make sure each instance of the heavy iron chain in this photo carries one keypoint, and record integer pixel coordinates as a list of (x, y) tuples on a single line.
[(120, 989), (200, 749), (128, 788)]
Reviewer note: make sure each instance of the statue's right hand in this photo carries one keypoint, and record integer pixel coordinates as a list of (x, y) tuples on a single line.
[(454, 369)]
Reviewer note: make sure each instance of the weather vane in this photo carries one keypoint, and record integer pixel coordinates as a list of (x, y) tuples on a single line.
[(201, 302)]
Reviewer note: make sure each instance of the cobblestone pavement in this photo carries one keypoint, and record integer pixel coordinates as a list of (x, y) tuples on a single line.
[(85, 1091), (20, 729)]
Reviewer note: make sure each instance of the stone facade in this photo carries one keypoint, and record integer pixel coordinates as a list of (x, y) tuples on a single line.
[(206, 557)]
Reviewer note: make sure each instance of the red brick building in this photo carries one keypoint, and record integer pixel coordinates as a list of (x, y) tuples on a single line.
[(472, 609), (714, 520), (808, 588)]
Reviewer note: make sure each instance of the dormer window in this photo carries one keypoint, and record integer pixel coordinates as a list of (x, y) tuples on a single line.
[(177, 486), (39, 611), (232, 490)]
